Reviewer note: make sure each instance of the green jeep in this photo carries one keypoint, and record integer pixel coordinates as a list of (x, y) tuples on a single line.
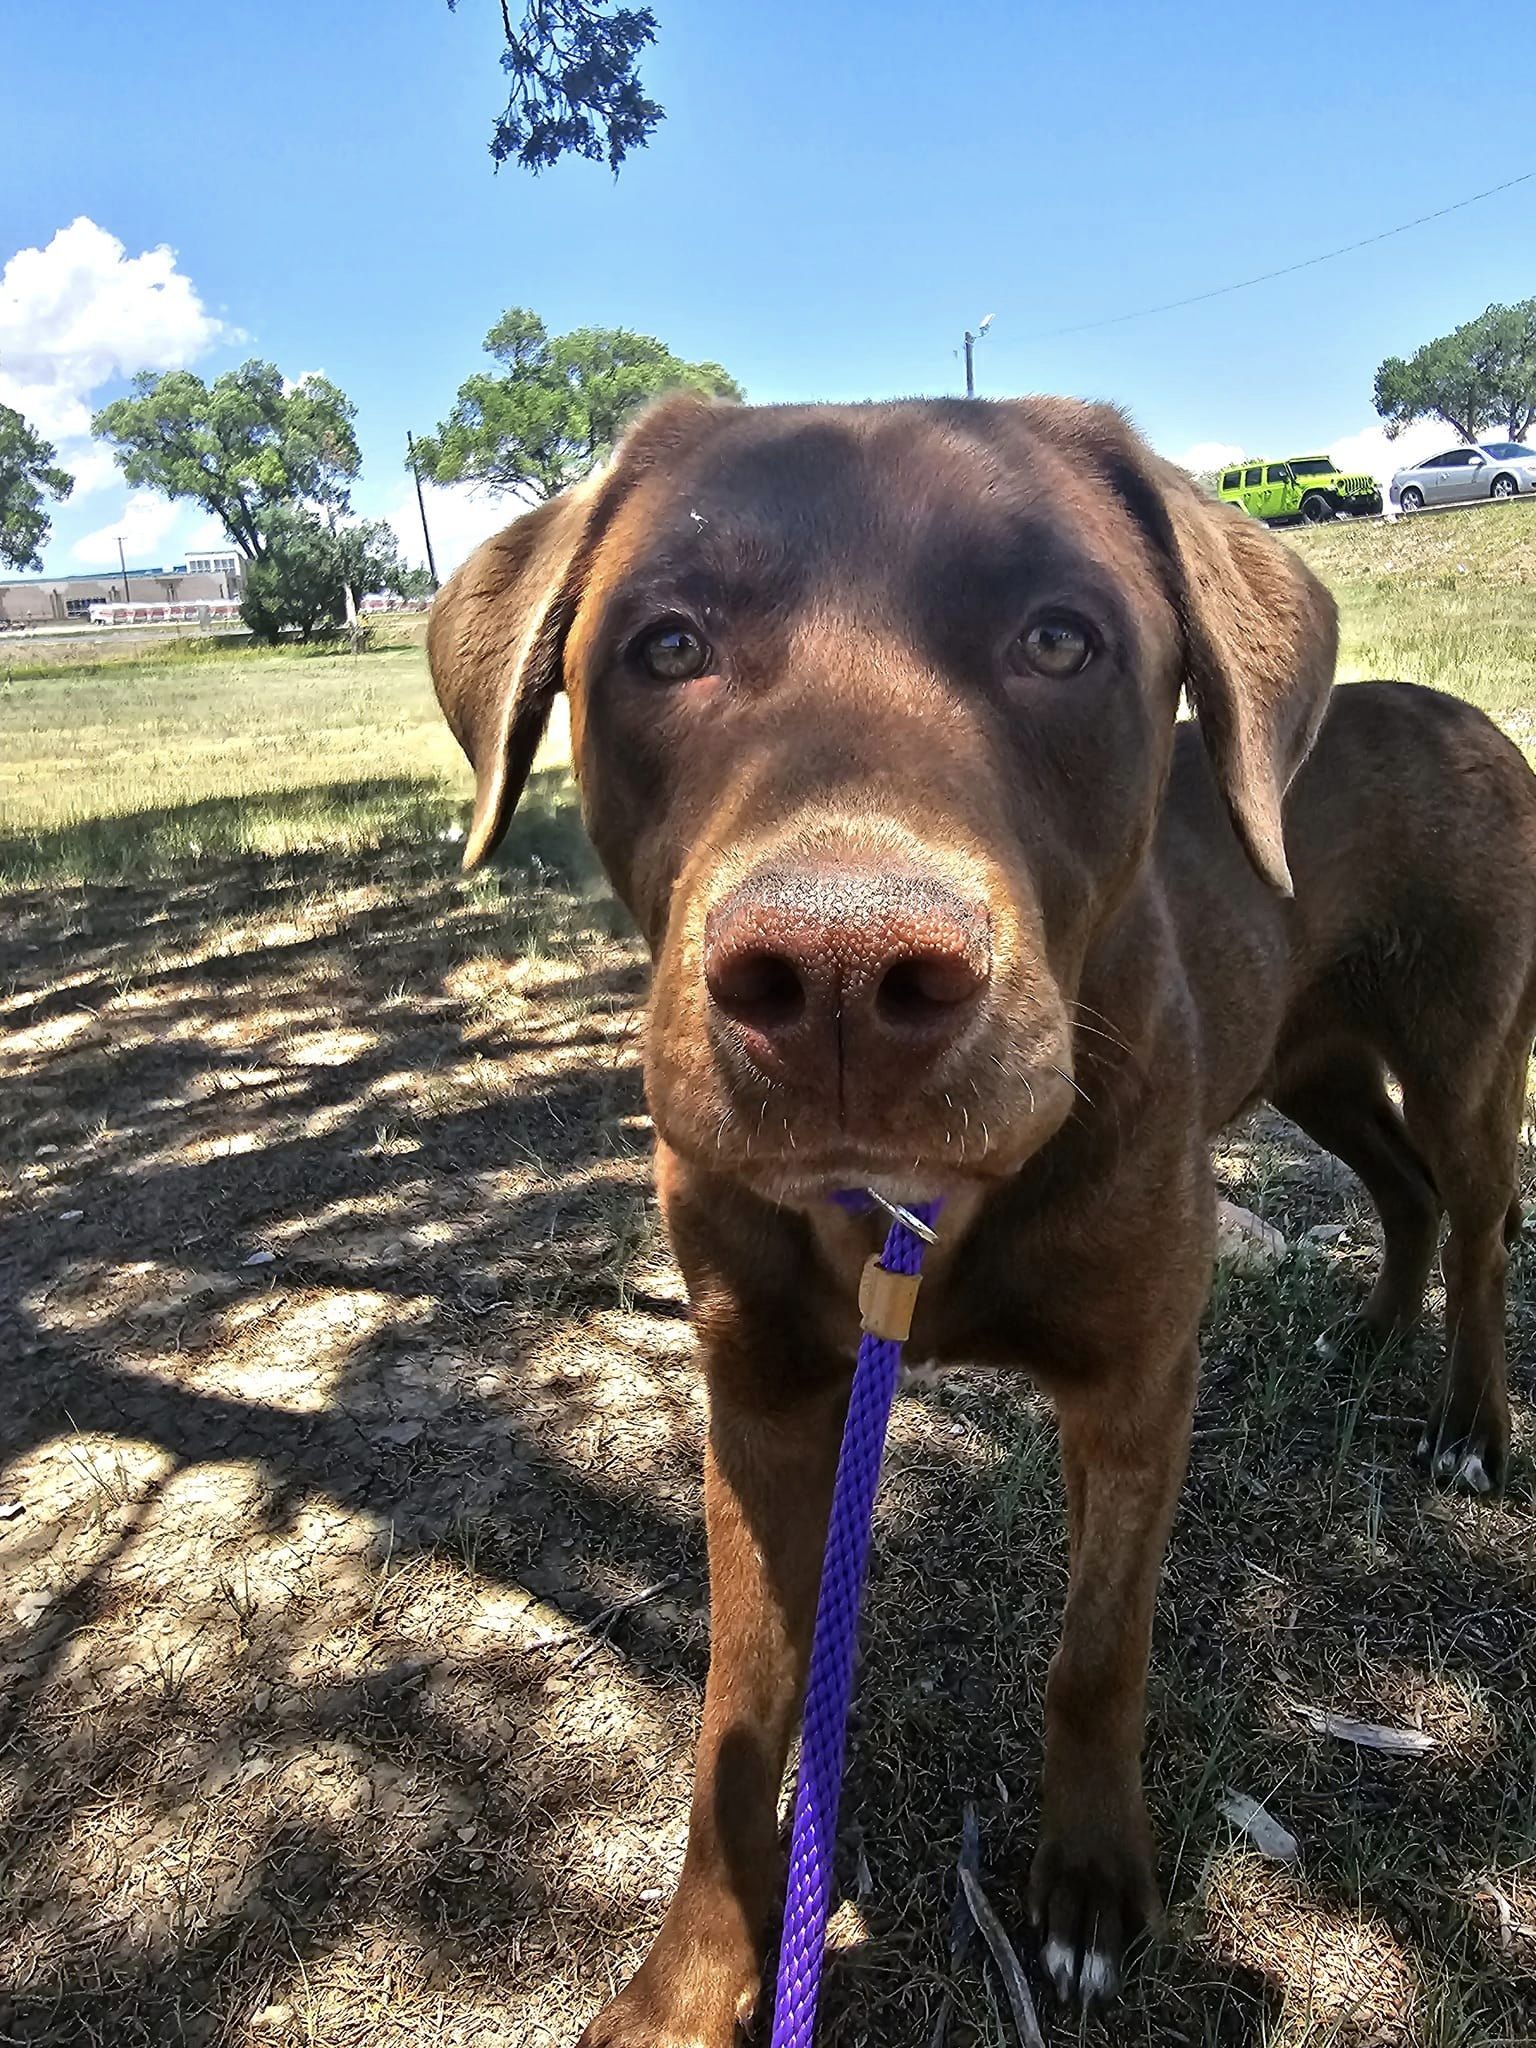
[(1307, 487)]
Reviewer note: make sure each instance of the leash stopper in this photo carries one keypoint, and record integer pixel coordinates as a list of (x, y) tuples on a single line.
[(887, 1300)]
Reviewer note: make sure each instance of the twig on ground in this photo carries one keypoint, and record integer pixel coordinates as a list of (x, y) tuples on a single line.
[(1509, 1926), (962, 1923), (1505, 1912), (1365, 1734), (610, 1615), (1009, 1968)]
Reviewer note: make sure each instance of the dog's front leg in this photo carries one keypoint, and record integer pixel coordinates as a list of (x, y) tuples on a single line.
[(767, 1491), (1124, 1443)]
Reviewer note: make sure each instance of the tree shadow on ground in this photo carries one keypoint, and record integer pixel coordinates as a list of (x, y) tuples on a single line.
[(354, 1620)]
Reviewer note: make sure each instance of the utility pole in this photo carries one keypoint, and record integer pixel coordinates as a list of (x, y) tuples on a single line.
[(123, 561), (421, 506), (970, 344)]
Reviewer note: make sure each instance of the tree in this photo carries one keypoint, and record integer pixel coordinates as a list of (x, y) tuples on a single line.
[(299, 583), (241, 447), (557, 406), (575, 89), (417, 585), (28, 474), (1480, 376), (1209, 480), (368, 557)]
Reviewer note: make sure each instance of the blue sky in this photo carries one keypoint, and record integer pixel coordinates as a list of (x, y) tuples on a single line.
[(838, 190)]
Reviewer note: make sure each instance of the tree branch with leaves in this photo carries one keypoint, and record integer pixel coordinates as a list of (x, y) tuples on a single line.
[(242, 447), (556, 406), (28, 476), (1479, 377), (574, 86), (301, 582)]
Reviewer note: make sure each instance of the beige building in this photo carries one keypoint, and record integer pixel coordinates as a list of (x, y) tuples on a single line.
[(53, 600)]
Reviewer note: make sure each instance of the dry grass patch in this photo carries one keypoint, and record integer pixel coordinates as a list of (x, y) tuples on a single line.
[(353, 1409)]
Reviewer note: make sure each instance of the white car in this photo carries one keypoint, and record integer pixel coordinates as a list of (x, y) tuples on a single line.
[(1464, 476)]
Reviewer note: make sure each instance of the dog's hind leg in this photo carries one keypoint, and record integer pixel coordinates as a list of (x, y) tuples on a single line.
[(1340, 1100), (1471, 1146)]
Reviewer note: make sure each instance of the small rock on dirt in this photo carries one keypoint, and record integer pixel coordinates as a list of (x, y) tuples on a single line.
[(398, 1433), (1246, 1243), (1260, 1826)]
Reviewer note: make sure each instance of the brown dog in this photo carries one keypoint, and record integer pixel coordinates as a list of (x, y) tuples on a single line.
[(873, 712)]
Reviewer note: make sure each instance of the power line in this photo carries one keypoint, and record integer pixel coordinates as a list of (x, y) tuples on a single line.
[(1286, 270)]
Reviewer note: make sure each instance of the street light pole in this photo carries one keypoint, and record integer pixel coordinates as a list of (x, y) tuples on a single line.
[(123, 561), (970, 363), (421, 506)]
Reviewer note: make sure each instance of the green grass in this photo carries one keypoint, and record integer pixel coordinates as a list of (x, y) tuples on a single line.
[(190, 748), (122, 759), (1444, 600)]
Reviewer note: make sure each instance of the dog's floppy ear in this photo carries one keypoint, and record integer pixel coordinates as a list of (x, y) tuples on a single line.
[(1260, 632), (1261, 636), (495, 642), (496, 639)]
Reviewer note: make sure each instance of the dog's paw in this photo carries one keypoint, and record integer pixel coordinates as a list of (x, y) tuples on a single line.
[(698, 1999), (621, 2025), (1090, 1903), (615, 2027), (1465, 1442), (1362, 1336), (1470, 1458)]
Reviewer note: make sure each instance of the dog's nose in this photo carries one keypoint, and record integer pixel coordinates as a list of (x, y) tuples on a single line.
[(827, 970)]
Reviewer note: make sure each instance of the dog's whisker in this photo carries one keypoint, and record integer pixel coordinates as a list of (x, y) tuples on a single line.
[(1062, 1074)]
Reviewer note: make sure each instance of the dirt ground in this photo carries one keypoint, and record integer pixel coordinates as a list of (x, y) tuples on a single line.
[(352, 1622)]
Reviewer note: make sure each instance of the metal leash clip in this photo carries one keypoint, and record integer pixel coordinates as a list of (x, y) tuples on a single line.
[(904, 1217)]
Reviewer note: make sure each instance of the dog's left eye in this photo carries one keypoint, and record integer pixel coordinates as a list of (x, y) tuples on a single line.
[(673, 653), (1055, 646)]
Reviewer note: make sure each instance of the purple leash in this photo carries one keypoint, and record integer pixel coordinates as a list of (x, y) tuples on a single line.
[(824, 1732)]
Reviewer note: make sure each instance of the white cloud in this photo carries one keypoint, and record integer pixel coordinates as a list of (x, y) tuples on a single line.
[(458, 517), (93, 469), (1209, 455), (145, 523), (1370, 453), (81, 312), (207, 533)]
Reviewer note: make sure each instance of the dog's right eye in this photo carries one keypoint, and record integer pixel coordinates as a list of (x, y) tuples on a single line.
[(673, 653), (1058, 645)]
